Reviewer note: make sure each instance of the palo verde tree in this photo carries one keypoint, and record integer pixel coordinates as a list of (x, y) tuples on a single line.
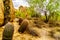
[(50, 8), (53, 7)]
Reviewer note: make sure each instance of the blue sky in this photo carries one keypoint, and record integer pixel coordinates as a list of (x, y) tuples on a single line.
[(18, 3)]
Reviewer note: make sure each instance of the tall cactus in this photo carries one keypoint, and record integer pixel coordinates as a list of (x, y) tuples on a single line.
[(8, 11)]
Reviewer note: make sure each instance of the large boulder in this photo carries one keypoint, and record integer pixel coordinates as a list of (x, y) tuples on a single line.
[(1, 12), (12, 11), (6, 11)]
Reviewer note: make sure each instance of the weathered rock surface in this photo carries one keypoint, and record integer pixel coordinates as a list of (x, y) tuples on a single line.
[(1, 12)]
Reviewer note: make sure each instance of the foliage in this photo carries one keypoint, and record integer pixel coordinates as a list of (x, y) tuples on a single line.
[(53, 6), (30, 12), (19, 14)]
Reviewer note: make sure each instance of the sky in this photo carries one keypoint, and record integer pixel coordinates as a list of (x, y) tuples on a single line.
[(18, 3)]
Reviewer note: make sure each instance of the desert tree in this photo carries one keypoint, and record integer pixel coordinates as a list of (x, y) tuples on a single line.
[(49, 8)]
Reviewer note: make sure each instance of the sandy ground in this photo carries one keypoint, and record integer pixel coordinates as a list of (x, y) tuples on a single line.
[(43, 33)]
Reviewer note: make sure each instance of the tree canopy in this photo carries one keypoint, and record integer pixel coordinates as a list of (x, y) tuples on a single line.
[(51, 6)]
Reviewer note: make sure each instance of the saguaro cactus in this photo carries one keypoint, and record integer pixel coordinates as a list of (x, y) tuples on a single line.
[(8, 32), (8, 11)]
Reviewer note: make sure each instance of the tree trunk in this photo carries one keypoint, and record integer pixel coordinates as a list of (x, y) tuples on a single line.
[(46, 20)]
